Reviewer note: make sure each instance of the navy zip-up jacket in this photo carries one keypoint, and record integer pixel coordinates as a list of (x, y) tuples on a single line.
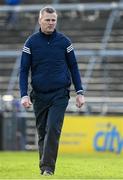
[(52, 62)]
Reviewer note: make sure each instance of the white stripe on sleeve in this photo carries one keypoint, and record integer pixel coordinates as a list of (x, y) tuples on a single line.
[(69, 48), (26, 50)]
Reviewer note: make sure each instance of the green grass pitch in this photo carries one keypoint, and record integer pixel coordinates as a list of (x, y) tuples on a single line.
[(24, 165)]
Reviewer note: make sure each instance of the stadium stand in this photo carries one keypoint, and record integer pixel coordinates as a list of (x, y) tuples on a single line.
[(102, 75), (85, 34)]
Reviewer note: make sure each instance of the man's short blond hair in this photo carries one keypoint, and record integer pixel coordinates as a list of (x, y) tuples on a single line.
[(48, 9)]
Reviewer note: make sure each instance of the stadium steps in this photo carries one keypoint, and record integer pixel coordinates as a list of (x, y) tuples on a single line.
[(97, 82), (82, 37)]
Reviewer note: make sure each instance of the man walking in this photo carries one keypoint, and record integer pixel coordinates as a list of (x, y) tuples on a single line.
[(50, 57)]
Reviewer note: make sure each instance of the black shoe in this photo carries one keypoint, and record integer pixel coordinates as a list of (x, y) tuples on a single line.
[(47, 173), (41, 172)]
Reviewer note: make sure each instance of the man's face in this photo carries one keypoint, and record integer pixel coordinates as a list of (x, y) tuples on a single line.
[(48, 22)]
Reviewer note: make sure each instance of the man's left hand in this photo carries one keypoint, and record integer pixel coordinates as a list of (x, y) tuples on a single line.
[(80, 100)]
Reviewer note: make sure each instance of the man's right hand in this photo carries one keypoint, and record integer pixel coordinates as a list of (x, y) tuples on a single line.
[(25, 101)]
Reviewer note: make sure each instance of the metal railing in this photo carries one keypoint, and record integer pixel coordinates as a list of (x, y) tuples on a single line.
[(112, 17), (65, 7)]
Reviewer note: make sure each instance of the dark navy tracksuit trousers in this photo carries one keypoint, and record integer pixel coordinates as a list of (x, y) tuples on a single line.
[(49, 110)]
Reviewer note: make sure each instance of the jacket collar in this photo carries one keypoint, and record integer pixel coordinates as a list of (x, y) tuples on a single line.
[(50, 36)]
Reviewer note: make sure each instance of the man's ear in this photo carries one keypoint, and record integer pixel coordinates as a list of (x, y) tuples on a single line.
[(39, 20)]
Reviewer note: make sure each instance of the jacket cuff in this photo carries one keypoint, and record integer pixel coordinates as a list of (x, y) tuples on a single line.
[(24, 97), (81, 92)]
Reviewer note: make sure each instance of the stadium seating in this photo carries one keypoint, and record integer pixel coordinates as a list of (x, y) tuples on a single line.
[(86, 30), (85, 34)]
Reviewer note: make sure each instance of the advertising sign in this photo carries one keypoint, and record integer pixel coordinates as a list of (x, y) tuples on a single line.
[(92, 133)]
